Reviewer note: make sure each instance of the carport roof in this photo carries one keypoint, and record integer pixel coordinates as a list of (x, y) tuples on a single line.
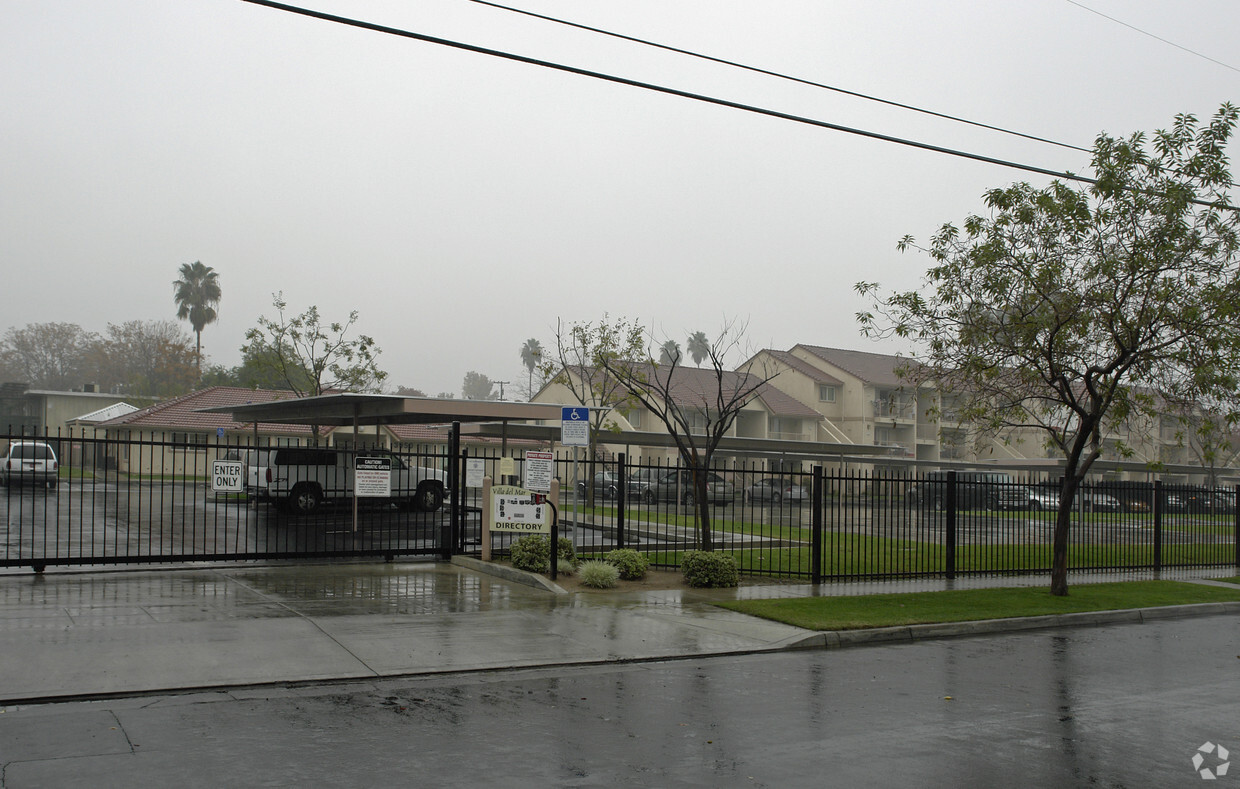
[(378, 409)]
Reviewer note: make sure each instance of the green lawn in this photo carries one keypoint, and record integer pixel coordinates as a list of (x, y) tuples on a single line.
[(885, 610)]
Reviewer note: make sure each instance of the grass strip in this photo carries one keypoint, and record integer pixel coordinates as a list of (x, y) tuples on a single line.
[(963, 605)]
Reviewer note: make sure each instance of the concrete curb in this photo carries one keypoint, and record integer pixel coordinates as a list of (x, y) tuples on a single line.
[(510, 574), (830, 639)]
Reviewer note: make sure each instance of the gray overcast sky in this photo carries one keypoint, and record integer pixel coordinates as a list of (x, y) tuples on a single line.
[(463, 203)]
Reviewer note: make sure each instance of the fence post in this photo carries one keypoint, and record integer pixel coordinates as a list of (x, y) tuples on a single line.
[(453, 531), (950, 536), (1236, 534), (815, 539), (1158, 535), (622, 496)]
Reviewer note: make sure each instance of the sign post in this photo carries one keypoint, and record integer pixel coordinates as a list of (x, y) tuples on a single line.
[(575, 432)]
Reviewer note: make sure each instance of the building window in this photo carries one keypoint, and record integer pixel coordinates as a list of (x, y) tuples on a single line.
[(635, 419), (826, 393)]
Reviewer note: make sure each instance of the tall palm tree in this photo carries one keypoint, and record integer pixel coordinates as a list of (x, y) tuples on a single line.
[(669, 352), (699, 347), (531, 355), (197, 294)]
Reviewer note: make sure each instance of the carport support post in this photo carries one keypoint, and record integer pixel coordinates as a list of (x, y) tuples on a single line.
[(356, 409)]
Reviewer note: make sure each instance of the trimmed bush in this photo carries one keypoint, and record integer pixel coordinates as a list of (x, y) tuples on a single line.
[(532, 553), (706, 569), (631, 564), (599, 575)]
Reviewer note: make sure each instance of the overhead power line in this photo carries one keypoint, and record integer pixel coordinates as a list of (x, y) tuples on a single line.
[(689, 95), (779, 75), (1151, 35), (977, 157)]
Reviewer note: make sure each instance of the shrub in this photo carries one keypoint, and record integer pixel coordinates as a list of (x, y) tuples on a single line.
[(631, 564), (567, 556), (599, 575), (708, 569), (532, 553)]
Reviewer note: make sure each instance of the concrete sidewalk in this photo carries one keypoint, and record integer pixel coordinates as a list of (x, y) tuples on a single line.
[(80, 634)]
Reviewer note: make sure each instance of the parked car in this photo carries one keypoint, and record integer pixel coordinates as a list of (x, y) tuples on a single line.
[(774, 490), (1099, 501), (30, 463), (678, 483), (606, 484), (974, 490), (1028, 497), (302, 478), (1209, 502), (639, 481)]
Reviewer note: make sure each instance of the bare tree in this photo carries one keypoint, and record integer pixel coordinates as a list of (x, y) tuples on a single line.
[(697, 413)]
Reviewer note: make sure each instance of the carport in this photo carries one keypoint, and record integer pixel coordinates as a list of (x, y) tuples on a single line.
[(343, 410)]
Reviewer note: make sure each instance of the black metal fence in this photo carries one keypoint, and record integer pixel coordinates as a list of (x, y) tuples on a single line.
[(848, 526), (155, 501), (146, 501)]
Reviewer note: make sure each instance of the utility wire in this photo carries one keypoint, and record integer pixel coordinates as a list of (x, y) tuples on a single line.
[(1147, 33), (669, 91), (779, 75), (693, 96)]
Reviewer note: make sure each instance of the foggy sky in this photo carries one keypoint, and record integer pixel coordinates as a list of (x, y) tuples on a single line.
[(464, 203)]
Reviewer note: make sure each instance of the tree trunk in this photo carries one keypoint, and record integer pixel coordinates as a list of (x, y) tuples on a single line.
[(1059, 548), (1059, 542), (703, 508)]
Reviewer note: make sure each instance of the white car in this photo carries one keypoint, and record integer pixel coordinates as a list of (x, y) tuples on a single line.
[(302, 478), (30, 463)]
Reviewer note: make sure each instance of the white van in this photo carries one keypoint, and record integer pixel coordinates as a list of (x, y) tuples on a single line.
[(302, 478)]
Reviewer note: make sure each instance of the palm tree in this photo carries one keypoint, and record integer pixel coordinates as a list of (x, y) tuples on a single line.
[(531, 355), (669, 352), (699, 347), (197, 294)]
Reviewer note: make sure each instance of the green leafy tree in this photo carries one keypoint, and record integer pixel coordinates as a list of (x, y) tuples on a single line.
[(197, 294), (584, 350), (155, 358), (1068, 308), (49, 355), (477, 386), (310, 356)]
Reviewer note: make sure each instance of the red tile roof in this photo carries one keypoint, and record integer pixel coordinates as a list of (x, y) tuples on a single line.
[(182, 413)]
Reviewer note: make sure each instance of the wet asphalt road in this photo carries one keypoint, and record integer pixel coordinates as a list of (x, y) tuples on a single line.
[(1112, 706)]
